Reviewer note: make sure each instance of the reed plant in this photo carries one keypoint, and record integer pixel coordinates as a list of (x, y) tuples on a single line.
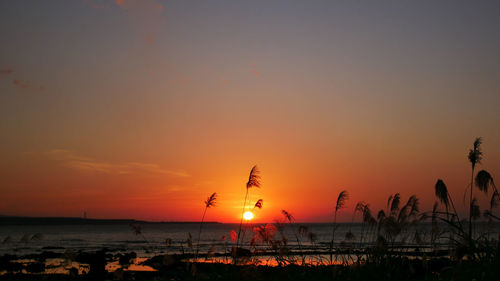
[(463, 241), (341, 199), (291, 219), (209, 203), (253, 181)]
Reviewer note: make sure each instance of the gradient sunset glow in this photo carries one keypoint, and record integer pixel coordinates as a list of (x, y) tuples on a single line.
[(142, 109)]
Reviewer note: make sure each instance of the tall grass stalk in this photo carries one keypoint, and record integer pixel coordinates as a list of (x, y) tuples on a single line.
[(253, 181), (475, 157), (210, 202), (258, 205), (289, 217), (341, 199)]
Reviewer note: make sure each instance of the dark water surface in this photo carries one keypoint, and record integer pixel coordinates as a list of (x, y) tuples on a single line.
[(32, 239)]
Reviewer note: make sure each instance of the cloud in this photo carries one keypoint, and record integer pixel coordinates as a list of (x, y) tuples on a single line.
[(149, 38), (7, 71), (179, 80), (81, 163), (26, 85), (18, 83), (254, 70), (145, 14)]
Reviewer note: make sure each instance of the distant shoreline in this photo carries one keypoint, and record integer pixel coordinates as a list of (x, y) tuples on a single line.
[(11, 220), (16, 220)]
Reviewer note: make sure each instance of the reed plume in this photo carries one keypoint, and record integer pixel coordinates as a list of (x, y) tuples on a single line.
[(444, 197), (475, 157), (137, 230), (254, 178), (358, 208), (367, 218), (259, 204), (343, 196), (289, 217), (264, 233), (442, 193), (396, 200), (484, 181), (253, 181), (341, 199), (210, 202), (233, 235), (413, 206)]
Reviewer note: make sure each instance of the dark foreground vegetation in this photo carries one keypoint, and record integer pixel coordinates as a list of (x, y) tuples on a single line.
[(397, 268)]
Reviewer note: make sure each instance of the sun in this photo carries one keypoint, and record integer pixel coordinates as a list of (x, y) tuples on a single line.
[(248, 215)]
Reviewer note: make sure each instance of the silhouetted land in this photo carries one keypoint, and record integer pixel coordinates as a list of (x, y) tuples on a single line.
[(11, 220), (396, 268)]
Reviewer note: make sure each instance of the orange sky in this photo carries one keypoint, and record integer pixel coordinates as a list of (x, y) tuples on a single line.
[(142, 109)]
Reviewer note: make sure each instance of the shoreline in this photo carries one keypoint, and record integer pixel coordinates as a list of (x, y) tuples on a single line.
[(13, 220), (104, 266)]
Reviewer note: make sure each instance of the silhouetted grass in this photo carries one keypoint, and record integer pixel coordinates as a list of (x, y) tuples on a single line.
[(210, 202), (253, 181), (343, 196)]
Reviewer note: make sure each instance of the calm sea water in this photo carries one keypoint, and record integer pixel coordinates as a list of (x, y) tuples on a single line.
[(27, 239)]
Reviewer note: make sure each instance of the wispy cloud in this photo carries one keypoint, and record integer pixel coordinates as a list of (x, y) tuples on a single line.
[(149, 38), (18, 83), (147, 14), (7, 71), (78, 162), (26, 85), (253, 69)]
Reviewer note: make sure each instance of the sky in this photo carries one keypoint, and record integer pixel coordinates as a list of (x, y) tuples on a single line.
[(142, 109)]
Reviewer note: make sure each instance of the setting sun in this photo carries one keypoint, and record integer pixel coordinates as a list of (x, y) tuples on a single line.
[(248, 215)]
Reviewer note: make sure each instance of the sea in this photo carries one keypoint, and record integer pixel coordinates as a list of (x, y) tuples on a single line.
[(177, 238)]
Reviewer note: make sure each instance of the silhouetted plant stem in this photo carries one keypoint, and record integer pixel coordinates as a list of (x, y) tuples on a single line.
[(290, 220), (199, 234), (210, 202), (253, 181), (137, 229), (333, 237), (258, 205), (470, 203), (474, 158), (241, 220), (340, 204)]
